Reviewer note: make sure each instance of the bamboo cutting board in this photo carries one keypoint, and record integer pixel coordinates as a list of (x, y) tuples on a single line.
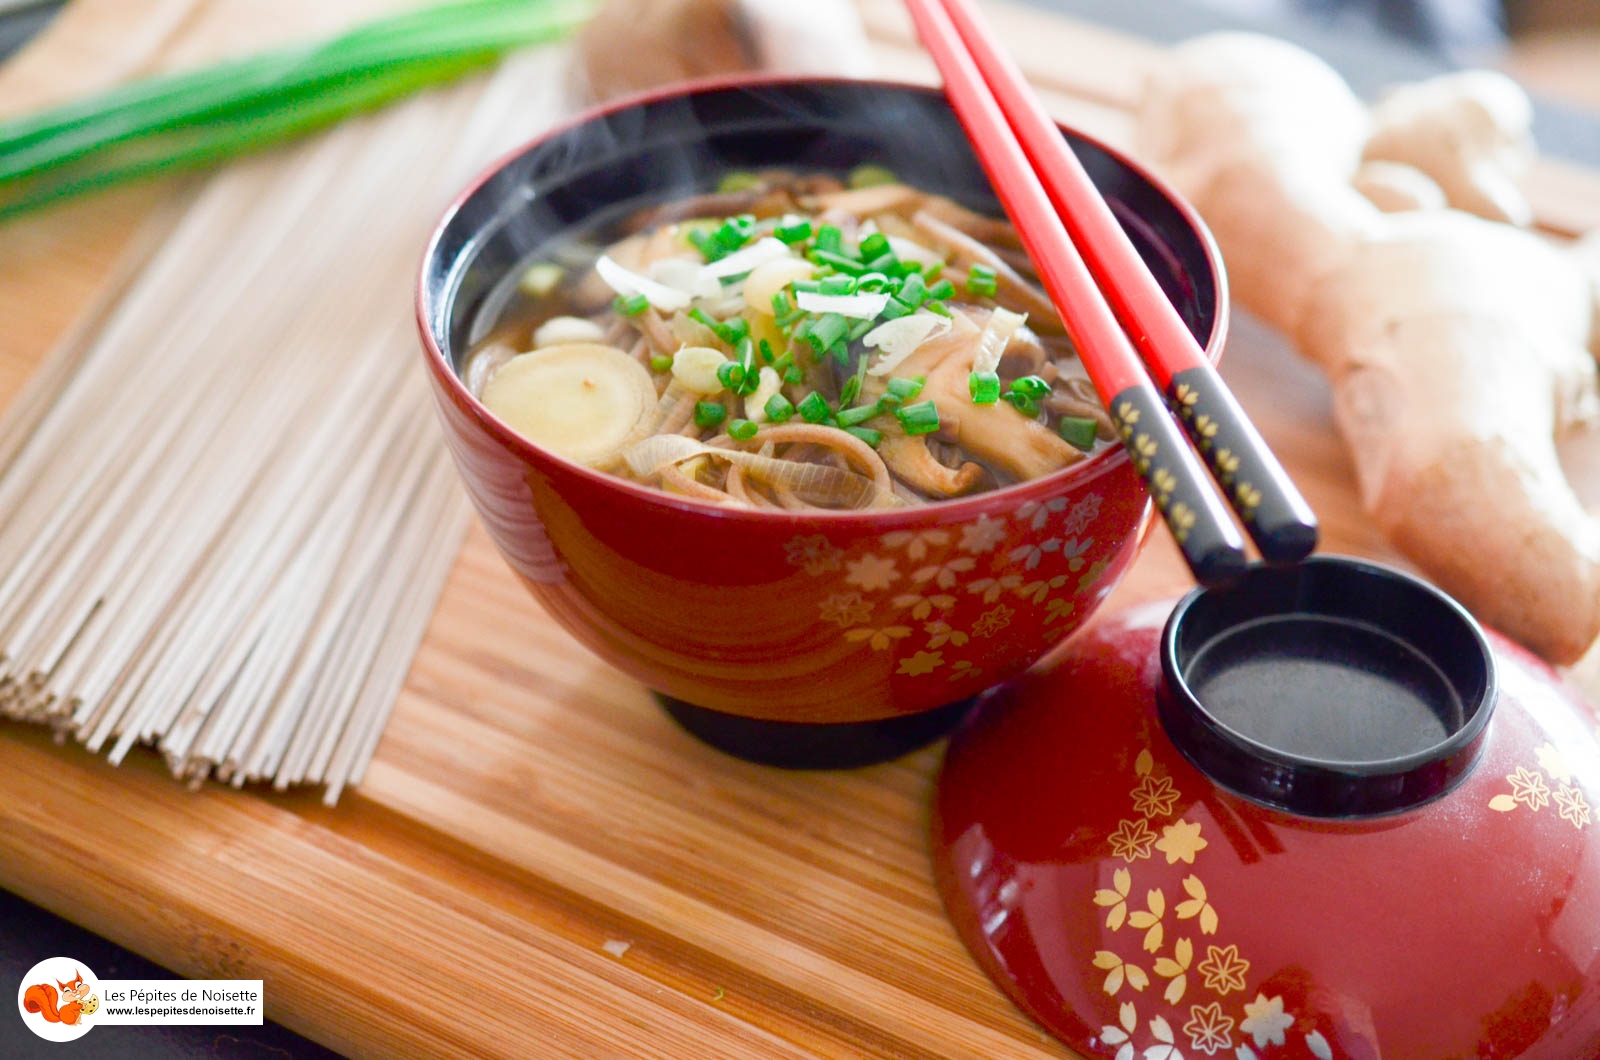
[(538, 862)]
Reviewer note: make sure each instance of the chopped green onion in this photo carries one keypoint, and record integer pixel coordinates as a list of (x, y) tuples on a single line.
[(840, 352), (661, 363), (884, 262), (830, 239), (894, 308), (630, 305), (783, 312), (744, 353), (706, 243), (798, 232), (743, 430), (873, 282), (913, 292), (1021, 402), (837, 285), (709, 413), (1079, 431), (860, 328), (793, 375), (733, 233), (810, 286), (700, 316), (981, 281), (852, 386), (813, 408), (984, 387), (874, 246), (870, 175), (921, 418), (934, 271), (859, 414), (905, 389), (731, 375), (937, 307), (733, 331), (766, 350), (942, 289), (838, 261), (738, 180), (827, 330), (866, 434), (778, 408), (1032, 386)]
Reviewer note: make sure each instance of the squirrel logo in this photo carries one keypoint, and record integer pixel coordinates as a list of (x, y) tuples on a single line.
[(57, 1009), (74, 1001)]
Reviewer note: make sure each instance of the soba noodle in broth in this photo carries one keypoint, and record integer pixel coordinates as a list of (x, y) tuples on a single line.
[(796, 341)]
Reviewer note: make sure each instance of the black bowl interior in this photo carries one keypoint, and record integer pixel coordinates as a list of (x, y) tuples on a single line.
[(675, 145), (1334, 687)]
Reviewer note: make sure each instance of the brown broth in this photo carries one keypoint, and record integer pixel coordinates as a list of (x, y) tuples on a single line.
[(966, 457)]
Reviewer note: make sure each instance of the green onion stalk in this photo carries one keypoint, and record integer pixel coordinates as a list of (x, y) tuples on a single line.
[(210, 115)]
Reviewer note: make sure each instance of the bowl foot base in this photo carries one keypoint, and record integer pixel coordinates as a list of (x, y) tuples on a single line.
[(802, 745)]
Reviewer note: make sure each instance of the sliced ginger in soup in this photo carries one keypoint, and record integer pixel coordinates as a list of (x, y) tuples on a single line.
[(582, 401)]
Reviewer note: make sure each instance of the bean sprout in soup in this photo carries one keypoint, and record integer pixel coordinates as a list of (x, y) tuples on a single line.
[(795, 341)]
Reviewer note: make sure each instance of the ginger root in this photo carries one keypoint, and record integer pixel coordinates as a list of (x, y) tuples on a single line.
[(1457, 344)]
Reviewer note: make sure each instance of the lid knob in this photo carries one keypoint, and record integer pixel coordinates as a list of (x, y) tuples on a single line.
[(1330, 688)]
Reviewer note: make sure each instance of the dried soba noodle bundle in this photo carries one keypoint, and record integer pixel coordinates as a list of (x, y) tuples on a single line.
[(224, 513)]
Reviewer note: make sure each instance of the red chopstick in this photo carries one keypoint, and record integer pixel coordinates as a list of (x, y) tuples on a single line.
[(1279, 520), (1199, 522)]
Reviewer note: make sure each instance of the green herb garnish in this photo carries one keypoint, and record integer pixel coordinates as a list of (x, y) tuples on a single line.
[(778, 408), (981, 281), (984, 387), (630, 305), (1079, 431), (903, 390), (875, 245), (825, 331), (1032, 386), (858, 415), (813, 408), (709, 413), (798, 232), (921, 418)]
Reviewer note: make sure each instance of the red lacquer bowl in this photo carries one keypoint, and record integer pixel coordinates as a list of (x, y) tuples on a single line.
[(816, 619), (1138, 908)]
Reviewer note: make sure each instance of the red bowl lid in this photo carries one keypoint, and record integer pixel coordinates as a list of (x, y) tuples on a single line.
[(1189, 838)]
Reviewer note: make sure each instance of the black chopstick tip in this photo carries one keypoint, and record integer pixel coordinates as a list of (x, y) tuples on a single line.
[(1285, 542), (1222, 565)]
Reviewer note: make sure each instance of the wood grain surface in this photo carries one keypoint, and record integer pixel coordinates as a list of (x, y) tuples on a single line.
[(539, 864)]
